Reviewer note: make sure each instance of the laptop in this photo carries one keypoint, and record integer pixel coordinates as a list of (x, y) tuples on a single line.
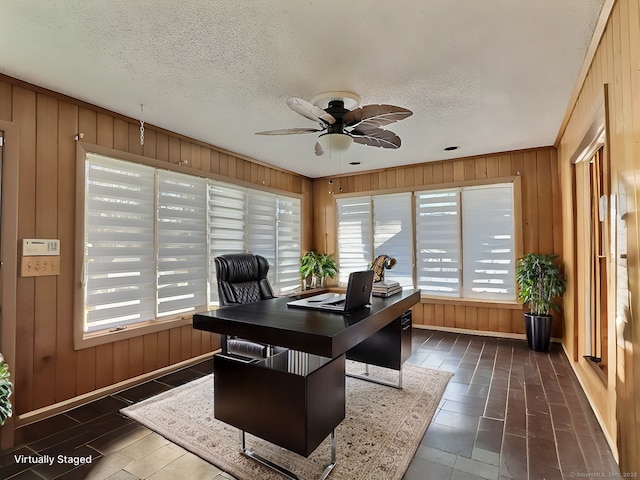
[(358, 296)]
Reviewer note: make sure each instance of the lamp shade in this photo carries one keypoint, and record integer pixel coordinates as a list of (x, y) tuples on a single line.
[(335, 142)]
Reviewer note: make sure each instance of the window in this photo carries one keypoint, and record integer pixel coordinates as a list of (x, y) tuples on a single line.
[(463, 246), (150, 236), (465, 242), (376, 225)]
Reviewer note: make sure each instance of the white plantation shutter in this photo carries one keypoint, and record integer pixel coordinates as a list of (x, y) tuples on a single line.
[(488, 239), (261, 228), (288, 245), (181, 243), (247, 220), (393, 233), (119, 268), (355, 235), (438, 242)]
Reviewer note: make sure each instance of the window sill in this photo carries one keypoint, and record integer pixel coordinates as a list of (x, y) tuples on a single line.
[(472, 302), (93, 339)]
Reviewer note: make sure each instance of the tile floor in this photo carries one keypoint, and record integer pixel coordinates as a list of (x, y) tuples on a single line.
[(507, 413)]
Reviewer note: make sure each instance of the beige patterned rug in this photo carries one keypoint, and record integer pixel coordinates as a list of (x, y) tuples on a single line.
[(377, 439)]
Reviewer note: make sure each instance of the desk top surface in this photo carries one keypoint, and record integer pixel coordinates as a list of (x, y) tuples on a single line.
[(322, 333)]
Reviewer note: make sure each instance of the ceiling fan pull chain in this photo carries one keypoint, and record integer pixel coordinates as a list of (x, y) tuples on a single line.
[(141, 126)]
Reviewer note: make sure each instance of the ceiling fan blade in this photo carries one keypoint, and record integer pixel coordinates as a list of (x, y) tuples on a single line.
[(318, 149), (375, 115), (309, 110), (376, 137), (290, 131)]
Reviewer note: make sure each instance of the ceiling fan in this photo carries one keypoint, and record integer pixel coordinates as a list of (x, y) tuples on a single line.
[(344, 122)]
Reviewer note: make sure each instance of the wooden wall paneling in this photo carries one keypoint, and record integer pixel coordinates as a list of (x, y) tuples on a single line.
[(149, 149), (120, 135), (121, 361), (136, 356), (65, 354), (163, 349), (205, 159), (504, 320), (483, 319), (505, 165), (6, 93), (232, 166), (481, 168), (134, 146), (530, 204), (174, 150), (459, 316), (196, 156), (438, 173), (150, 345), (186, 341), (556, 194), (493, 166), (428, 313), (104, 130), (438, 314), (494, 322), (185, 153), (544, 204), (449, 315), (104, 365), (87, 125), (86, 371), (162, 147), (471, 318), (175, 345), (459, 170), (196, 342), (470, 168), (45, 293), (366, 183), (214, 162), (246, 174), (24, 114)]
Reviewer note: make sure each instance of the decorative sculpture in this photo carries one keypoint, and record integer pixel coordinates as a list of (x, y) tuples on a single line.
[(380, 264)]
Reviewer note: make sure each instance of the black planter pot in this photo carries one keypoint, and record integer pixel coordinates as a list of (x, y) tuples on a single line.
[(538, 331)]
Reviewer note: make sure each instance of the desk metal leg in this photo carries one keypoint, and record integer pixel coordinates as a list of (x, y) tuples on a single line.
[(366, 377), (280, 469)]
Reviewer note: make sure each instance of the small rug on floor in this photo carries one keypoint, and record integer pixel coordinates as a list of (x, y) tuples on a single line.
[(381, 432)]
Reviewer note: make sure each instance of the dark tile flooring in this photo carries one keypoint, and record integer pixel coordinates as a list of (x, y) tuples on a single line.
[(508, 413)]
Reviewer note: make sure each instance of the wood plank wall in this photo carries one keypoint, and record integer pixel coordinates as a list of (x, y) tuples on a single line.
[(617, 64), (541, 221), (47, 369)]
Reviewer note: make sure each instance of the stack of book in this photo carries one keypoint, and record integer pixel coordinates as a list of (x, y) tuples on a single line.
[(386, 288)]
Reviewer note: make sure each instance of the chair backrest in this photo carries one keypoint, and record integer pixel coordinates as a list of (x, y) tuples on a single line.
[(242, 278)]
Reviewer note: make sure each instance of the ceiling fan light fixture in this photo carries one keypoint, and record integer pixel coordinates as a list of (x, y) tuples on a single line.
[(335, 142)]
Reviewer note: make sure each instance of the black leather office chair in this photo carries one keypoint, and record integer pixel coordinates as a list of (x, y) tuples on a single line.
[(242, 278)]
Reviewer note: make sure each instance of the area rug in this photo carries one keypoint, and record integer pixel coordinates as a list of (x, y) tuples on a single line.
[(377, 439)]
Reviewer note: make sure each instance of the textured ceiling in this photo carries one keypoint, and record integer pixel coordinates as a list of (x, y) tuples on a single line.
[(487, 76)]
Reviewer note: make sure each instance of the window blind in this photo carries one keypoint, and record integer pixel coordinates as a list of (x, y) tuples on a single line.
[(488, 239), (288, 244), (438, 242), (261, 228), (355, 235), (393, 234), (119, 269), (181, 243)]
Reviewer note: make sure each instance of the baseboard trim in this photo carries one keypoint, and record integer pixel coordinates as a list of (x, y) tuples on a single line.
[(60, 407), (481, 333)]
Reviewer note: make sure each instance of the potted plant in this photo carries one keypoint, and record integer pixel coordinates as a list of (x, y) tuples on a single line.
[(318, 266), (540, 281), (5, 391)]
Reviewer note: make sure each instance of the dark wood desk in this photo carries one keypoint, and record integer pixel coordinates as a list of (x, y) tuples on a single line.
[(321, 333), (303, 386)]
